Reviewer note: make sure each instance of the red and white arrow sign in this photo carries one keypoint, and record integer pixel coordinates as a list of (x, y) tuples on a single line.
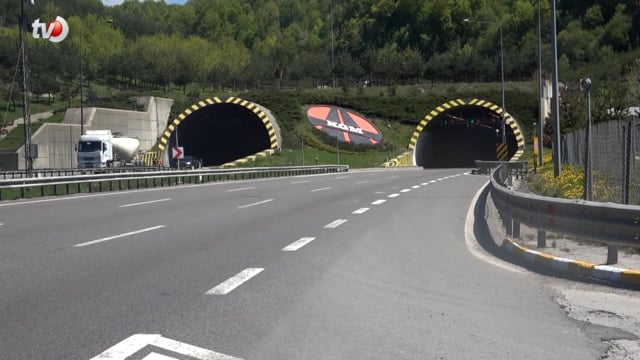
[(178, 152)]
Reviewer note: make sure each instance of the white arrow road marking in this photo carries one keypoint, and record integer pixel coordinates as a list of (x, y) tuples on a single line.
[(156, 356), (241, 189), (137, 342), (235, 281), (298, 244), (254, 204), (144, 203), (394, 195), (321, 189), (378, 202), (334, 224), (360, 211), (119, 236)]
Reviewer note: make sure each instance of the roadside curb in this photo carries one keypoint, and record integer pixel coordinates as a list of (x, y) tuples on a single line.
[(574, 267)]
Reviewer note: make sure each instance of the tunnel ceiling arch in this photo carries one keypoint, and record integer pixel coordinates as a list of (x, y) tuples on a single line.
[(222, 131), (458, 132)]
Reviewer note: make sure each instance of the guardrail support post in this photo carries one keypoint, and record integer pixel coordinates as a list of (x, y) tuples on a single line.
[(508, 225), (612, 254), (516, 229), (542, 239)]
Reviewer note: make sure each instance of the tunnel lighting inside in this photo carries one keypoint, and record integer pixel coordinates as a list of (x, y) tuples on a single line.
[(221, 133), (456, 137)]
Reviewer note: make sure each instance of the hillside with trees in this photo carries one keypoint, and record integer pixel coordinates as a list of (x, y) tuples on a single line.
[(239, 44)]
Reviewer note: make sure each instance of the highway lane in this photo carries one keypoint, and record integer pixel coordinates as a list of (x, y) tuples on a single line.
[(395, 279)]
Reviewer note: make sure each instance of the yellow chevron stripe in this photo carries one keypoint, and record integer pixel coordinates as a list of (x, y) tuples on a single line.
[(167, 134), (440, 109), (434, 113), (171, 127), (181, 116), (217, 100), (473, 101), (271, 132), (187, 111), (202, 104), (209, 101), (460, 102), (176, 122), (447, 106), (428, 118), (244, 103), (195, 107)]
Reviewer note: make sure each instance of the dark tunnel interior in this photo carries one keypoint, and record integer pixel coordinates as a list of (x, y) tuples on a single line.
[(459, 136), (221, 133)]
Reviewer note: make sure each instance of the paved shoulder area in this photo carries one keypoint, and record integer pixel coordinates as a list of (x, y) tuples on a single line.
[(612, 309)]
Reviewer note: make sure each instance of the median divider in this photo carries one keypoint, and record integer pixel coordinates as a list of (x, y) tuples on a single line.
[(12, 189)]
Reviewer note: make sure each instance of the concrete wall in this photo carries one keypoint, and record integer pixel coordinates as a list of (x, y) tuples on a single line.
[(56, 142)]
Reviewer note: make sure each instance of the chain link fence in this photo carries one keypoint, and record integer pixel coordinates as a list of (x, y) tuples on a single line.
[(615, 159)]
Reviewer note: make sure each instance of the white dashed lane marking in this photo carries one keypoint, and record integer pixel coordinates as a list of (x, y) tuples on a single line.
[(254, 204), (415, 187), (119, 236), (235, 281), (334, 224), (321, 189), (242, 189), (299, 182), (362, 182), (378, 202), (405, 190), (360, 211), (144, 203), (298, 244), (394, 195)]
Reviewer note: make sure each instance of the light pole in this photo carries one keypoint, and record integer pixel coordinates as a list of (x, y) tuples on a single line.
[(555, 103), (541, 114), (588, 177), (502, 118)]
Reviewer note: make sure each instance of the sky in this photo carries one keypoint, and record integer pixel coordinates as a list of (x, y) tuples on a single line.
[(117, 2)]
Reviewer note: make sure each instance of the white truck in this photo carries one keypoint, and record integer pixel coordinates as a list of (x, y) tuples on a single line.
[(100, 148)]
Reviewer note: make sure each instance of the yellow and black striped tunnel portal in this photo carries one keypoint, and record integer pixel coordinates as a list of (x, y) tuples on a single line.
[(458, 132), (221, 131)]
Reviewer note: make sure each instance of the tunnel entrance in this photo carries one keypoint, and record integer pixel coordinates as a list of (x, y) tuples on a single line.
[(220, 132), (458, 133)]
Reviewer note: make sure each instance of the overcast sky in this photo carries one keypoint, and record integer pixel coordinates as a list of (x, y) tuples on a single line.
[(116, 2)]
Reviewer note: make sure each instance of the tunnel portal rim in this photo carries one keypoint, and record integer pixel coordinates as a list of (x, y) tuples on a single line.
[(444, 107), (217, 100)]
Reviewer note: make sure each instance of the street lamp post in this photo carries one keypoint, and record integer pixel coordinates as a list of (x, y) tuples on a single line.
[(502, 116)]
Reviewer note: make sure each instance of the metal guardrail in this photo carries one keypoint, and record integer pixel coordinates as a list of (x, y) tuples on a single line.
[(62, 185), (4, 175), (613, 224)]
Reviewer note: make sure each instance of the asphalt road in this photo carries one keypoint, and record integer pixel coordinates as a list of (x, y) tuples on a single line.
[(362, 265)]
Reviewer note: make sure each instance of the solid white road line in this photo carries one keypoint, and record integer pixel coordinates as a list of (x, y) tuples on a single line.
[(394, 195), (144, 203), (321, 189), (334, 224), (298, 244), (254, 204), (235, 281), (378, 202), (299, 182), (360, 211), (241, 189), (405, 190), (119, 236)]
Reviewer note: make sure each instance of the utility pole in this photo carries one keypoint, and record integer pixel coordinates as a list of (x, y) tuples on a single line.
[(26, 115)]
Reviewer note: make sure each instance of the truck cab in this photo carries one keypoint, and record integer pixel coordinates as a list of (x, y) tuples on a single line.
[(95, 149)]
